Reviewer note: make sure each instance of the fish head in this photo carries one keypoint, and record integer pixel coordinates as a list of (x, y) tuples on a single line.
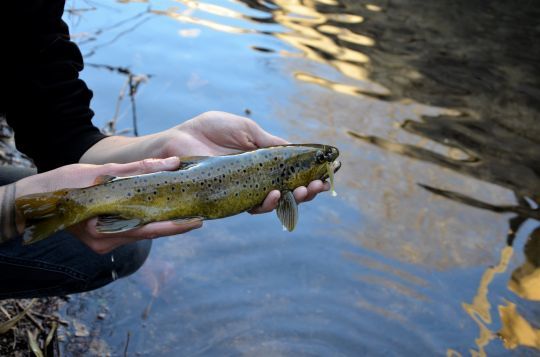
[(311, 162)]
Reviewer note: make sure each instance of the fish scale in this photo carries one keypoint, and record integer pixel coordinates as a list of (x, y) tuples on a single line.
[(203, 188)]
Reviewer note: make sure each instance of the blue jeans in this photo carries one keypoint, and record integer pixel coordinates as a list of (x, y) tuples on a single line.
[(60, 264)]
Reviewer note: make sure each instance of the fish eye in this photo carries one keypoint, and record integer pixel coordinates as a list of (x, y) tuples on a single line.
[(320, 157)]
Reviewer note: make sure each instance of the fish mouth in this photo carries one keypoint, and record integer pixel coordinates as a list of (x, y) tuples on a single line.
[(336, 165), (331, 153)]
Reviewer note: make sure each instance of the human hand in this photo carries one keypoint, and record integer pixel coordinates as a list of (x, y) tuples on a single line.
[(83, 175), (219, 133), (209, 134)]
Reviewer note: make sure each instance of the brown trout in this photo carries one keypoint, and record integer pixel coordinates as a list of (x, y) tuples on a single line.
[(202, 188)]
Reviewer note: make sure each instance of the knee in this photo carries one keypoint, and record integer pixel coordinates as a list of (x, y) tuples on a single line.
[(129, 258)]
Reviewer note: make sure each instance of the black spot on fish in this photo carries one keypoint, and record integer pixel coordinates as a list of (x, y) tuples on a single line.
[(183, 190), (256, 185), (149, 198), (260, 164), (168, 198), (155, 192), (281, 165), (138, 190), (91, 200), (129, 194), (236, 194), (173, 188)]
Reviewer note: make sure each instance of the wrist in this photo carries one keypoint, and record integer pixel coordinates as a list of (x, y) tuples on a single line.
[(118, 149), (11, 222)]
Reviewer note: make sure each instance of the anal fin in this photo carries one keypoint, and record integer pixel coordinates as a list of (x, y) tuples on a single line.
[(187, 220), (287, 210)]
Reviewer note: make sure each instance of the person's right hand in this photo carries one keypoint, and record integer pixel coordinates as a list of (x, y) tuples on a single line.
[(83, 175)]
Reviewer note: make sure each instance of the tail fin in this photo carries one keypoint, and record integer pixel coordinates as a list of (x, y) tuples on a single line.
[(42, 215)]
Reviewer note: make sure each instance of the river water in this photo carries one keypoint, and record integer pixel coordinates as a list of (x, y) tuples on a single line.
[(432, 246)]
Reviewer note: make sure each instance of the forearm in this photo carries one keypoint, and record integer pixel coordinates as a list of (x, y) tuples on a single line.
[(123, 149)]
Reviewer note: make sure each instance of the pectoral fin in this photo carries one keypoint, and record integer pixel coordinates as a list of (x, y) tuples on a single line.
[(287, 210), (116, 224)]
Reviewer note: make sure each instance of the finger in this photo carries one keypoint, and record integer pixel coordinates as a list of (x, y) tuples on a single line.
[(154, 230), (300, 194), (262, 138), (141, 167), (313, 189), (269, 203), (106, 242)]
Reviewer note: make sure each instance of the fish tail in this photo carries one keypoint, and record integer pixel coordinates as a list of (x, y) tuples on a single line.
[(43, 218)]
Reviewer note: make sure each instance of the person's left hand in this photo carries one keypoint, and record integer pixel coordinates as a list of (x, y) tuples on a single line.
[(209, 134)]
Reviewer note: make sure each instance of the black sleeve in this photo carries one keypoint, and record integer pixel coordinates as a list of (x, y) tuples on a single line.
[(48, 105)]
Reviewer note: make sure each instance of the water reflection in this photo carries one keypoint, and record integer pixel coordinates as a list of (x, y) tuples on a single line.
[(515, 329), (525, 281), (319, 35), (446, 87)]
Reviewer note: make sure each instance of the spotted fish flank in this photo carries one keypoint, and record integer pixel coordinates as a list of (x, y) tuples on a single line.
[(202, 188)]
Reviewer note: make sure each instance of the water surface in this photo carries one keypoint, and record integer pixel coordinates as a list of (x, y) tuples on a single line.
[(430, 247)]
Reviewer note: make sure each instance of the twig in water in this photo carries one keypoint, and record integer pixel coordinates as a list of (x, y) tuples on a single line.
[(133, 81), (127, 344)]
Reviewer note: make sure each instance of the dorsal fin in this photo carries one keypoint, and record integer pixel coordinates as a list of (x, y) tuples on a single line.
[(188, 161), (103, 179)]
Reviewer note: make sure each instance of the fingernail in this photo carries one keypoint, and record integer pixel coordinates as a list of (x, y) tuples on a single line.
[(171, 160)]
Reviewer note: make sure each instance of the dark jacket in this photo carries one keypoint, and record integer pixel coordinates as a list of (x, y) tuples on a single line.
[(47, 105)]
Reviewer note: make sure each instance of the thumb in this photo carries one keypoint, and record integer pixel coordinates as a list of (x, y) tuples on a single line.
[(263, 138)]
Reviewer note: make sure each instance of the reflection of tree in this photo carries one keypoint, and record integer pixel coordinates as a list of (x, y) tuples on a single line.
[(477, 59), (525, 282), (515, 330)]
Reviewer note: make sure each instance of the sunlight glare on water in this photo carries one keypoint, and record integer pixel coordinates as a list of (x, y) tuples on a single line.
[(431, 247)]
